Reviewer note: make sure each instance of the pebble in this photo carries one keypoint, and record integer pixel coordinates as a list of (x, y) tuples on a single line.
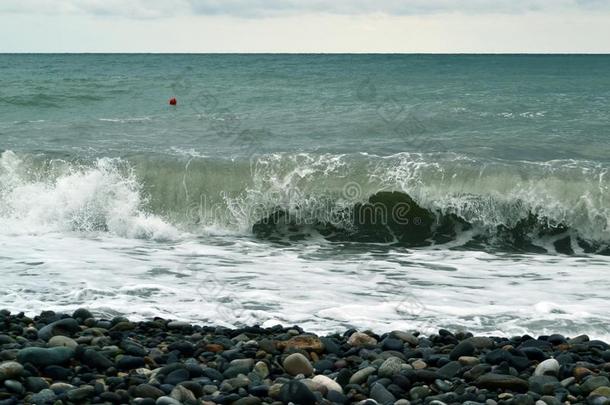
[(47, 360), (594, 382), (390, 367), (359, 339), (164, 400), (182, 394), (361, 375), (14, 386), (550, 366), (296, 364), (419, 364), (65, 327), (261, 369), (330, 384), (10, 369), (500, 381), (468, 360), (601, 391), (147, 391), (297, 393), (380, 394), (308, 343), (81, 393), (464, 348), (406, 337), (41, 357), (46, 396)]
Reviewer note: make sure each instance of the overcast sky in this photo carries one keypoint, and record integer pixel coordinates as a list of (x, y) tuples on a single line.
[(305, 26)]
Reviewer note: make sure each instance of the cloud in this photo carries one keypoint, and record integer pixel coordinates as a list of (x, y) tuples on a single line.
[(270, 8)]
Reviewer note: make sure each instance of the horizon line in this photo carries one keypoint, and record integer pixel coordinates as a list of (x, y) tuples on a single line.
[(300, 53)]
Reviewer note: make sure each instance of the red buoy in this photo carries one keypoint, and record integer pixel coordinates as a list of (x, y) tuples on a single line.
[(172, 101)]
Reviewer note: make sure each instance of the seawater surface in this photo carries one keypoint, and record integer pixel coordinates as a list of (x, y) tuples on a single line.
[(329, 191)]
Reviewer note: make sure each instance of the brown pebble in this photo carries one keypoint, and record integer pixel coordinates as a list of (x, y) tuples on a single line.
[(214, 348), (581, 372)]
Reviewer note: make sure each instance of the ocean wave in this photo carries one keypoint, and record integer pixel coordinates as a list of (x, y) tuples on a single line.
[(445, 199), (55, 196)]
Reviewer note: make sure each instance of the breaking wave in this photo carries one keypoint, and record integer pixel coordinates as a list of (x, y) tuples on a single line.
[(405, 199)]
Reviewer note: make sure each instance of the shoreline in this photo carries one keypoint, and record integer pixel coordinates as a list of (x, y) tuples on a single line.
[(57, 359)]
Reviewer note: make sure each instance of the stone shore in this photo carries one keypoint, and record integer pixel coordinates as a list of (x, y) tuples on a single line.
[(79, 359)]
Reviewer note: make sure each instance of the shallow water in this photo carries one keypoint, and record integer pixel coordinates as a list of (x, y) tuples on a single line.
[(113, 200)]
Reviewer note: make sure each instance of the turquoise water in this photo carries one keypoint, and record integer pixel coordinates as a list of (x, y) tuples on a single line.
[(114, 198), (509, 107)]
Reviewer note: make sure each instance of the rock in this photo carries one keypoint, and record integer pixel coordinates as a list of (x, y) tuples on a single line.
[(359, 339), (581, 372), (308, 343), (239, 381), (601, 391), (261, 369), (522, 399), (296, 363), (81, 393), (594, 382), (481, 342), (234, 371), (178, 325), (314, 386), (464, 348), (249, 400), (41, 357), (419, 364), (14, 386), (95, 359), (543, 384), (36, 384), (392, 344), (10, 369), (380, 394), (337, 397), (65, 327), (297, 393), (361, 375), (82, 315), (129, 362), (500, 381), (468, 361), (167, 401), (406, 337), (449, 370), (327, 382), (549, 400), (62, 341), (60, 387), (419, 392), (44, 397), (182, 394), (147, 391), (57, 373), (566, 382), (390, 367), (550, 366), (275, 390), (176, 376), (123, 326)]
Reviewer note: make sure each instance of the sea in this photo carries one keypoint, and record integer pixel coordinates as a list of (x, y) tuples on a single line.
[(381, 192)]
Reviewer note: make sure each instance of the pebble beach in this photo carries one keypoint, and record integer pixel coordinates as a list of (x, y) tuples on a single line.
[(76, 358)]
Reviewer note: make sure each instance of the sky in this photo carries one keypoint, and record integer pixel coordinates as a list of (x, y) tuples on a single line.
[(384, 26)]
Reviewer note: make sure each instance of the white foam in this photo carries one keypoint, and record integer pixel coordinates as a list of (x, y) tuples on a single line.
[(231, 281), (84, 199)]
